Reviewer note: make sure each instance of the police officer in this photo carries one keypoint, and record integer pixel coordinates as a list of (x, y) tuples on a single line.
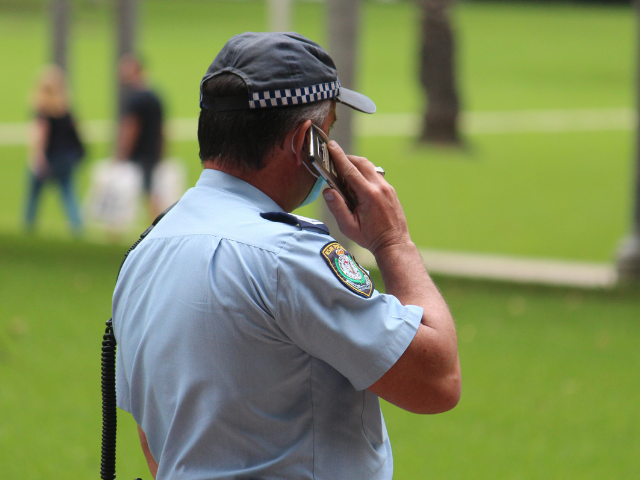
[(252, 344)]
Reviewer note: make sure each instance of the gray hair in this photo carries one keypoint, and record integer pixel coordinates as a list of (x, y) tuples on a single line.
[(245, 138)]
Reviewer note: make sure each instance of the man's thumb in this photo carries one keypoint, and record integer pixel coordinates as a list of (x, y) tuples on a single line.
[(336, 204)]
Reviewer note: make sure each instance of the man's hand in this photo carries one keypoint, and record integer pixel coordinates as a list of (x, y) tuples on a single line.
[(378, 222)]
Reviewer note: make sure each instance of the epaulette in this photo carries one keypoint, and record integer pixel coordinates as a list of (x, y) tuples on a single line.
[(296, 220)]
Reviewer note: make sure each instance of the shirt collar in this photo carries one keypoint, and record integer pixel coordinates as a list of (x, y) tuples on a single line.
[(237, 187)]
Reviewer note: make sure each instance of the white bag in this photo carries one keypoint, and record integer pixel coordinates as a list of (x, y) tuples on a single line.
[(114, 195), (167, 183)]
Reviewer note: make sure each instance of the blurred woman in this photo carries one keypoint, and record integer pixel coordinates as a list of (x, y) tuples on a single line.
[(55, 147)]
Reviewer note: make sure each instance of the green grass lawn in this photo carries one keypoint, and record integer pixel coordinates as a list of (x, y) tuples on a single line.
[(548, 377), (548, 374), (512, 56), (545, 385), (559, 195)]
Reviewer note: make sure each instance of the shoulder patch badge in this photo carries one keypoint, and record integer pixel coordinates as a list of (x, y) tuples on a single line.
[(347, 270)]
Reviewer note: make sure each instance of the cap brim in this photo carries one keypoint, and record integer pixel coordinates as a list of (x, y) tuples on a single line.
[(356, 100)]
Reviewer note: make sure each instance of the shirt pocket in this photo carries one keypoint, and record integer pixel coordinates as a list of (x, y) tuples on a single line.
[(372, 420)]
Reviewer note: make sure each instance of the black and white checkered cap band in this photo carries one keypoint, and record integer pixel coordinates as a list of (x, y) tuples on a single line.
[(294, 96)]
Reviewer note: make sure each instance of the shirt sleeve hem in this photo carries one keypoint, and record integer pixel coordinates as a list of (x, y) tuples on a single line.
[(394, 349)]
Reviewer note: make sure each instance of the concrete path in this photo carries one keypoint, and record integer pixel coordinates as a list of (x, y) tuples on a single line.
[(397, 124), (522, 121), (513, 269)]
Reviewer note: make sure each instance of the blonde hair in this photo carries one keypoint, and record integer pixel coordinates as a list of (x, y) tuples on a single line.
[(50, 94)]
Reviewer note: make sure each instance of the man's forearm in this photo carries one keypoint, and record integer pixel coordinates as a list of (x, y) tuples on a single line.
[(426, 379), (127, 135), (153, 465), (406, 278)]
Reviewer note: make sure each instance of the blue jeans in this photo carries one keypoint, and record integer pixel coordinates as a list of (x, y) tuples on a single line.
[(65, 179)]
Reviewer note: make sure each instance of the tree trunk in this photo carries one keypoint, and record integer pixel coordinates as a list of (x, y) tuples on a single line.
[(126, 23), (343, 34), (60, 30), (629, 253), (437, 74), (279, 15)]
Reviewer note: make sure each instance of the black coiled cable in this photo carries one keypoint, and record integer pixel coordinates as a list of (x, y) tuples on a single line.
[(109, 414)]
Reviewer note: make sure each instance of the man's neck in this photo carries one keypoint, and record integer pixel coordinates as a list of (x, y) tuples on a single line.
[(274, 180)]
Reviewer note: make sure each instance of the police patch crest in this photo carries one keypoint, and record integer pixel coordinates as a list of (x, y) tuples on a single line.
[(347, 270)]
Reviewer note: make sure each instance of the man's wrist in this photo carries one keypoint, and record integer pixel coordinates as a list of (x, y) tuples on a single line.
[(402, 247)]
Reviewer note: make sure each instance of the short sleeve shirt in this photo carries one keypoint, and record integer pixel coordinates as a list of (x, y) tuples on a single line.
[(243, 354), (145, 105)]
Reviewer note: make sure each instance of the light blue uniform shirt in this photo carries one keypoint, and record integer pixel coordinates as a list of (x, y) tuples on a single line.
[(241, 353)]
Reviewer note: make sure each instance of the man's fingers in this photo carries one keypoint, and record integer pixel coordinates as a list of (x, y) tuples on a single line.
[(347, 169), (353, 167), (366, 168)]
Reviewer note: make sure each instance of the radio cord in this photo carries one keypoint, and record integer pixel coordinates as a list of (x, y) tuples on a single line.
[(109, 414), (108, 380)]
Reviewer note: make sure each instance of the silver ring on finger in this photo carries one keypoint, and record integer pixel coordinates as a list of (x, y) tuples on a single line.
[(380, 170)]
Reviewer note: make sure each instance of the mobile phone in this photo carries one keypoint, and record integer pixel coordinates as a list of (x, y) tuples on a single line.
[(319, 157)]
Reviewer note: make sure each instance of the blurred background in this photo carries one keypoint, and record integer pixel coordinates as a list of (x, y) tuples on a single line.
[(508, 129)]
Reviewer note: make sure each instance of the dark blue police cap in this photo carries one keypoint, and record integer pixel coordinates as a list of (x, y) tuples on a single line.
[(280, 69)]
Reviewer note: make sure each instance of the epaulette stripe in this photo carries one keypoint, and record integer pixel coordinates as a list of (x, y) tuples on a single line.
[(297, 221)]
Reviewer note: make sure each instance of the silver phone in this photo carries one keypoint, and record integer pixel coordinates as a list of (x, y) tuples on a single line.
[(319, 157)]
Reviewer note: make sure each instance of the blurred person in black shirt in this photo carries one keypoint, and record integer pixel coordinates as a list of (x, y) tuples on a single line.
[(140, 133), (55, 146)]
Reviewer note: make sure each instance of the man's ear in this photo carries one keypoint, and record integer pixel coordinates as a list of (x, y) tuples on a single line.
[(298, 143)]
